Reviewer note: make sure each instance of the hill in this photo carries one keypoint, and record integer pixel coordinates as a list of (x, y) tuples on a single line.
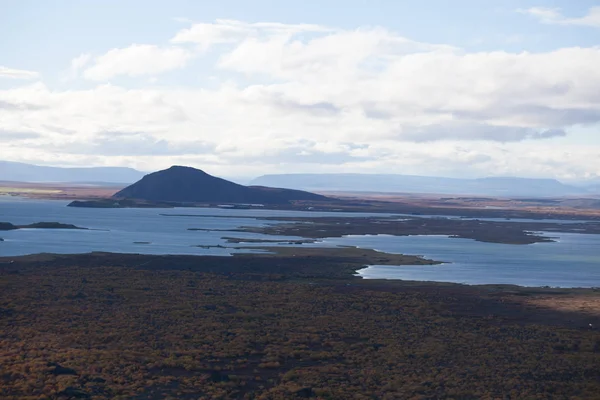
[(421, 184), (189, 185), (20, 172)]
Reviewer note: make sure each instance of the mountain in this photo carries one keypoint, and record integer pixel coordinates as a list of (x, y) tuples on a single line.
[(189, 185), (591, 185), (14, 171), (593, 188), (391, 183)]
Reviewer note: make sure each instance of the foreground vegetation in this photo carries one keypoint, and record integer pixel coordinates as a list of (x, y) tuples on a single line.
[(143, 327)]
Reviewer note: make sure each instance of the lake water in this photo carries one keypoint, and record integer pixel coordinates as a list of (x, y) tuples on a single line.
[(572, 261), (132, 230)]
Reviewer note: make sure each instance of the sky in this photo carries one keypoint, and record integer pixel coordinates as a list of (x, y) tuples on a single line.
[(462, 88)]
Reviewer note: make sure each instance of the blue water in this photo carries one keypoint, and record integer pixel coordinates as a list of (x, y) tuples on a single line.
[(118, 229), (573, 261)]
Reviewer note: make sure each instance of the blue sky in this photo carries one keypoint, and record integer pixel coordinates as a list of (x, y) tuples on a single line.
[(495, 87)]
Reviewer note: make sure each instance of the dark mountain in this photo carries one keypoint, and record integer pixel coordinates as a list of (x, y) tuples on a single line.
[(393, 183), (189, 185), (19, 172)]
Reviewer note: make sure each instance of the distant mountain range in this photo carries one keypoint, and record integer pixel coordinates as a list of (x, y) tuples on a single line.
[(384, 183), (190, 185), (20, 172), (390, 183), (593, 188)]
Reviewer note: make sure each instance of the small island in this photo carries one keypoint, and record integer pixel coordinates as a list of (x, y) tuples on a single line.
[(122, 203), (7, 226)]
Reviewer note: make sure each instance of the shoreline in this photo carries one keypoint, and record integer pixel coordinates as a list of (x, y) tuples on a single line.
[(502, 232), (99, 197), (344, 265)]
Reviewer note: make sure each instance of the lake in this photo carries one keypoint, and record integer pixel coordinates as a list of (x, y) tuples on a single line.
[(132, 230), (572, 261)]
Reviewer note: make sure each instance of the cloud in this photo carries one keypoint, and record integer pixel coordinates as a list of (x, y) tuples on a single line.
[(475, 131), (336, 55), (140, 144), (301, 97), (7, 105), (538, 115), (554, 16), (135, 60), (12, 136), (223, 31), (11, 73), (284, 104), (132, 144), (78, 63), (545, 14)]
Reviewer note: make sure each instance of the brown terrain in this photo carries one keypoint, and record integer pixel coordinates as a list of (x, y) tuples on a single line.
[(284, 326), (586, 206), (57, 191)]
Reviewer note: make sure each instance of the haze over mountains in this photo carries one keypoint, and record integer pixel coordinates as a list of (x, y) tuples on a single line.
[(387, 183), (20, 172), (392, 183)]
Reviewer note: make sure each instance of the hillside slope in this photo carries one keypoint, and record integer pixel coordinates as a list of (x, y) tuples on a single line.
[(190, 185)]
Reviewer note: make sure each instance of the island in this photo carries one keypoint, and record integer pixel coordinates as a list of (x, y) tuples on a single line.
[(7, 226)]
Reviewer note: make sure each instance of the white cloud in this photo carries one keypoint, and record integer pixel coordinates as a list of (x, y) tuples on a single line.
[(554, 16), (339, 55), (353, 100), (80, 61), (222, 31), (135, 60), (11, 73), (545, 14), (77, 65)]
